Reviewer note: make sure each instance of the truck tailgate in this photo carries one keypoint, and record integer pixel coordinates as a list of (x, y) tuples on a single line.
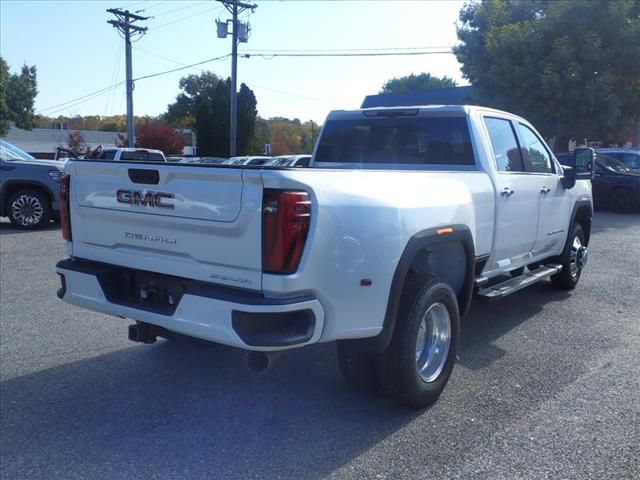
[(189, 221)]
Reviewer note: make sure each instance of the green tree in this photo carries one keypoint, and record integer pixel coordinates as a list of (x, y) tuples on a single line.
[(204, 104), (261, 137), (416, 83), (17, 97), (195, 88), (247, 114), (571, 67), (220, 119)]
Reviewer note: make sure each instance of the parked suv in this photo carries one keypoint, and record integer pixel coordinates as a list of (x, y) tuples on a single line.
[(29, 191), (629, 156), (615, 186)]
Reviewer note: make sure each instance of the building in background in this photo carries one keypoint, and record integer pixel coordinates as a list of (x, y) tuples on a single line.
[(43, 142)]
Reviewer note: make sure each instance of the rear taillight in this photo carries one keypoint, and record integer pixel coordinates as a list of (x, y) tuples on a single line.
[(285, 224), (65, 218)]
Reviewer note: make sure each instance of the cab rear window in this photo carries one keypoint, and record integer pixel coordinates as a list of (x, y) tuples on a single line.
[(437, 140)]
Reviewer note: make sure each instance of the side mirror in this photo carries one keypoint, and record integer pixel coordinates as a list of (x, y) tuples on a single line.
[(580, 167), (583, 163), (569, 178)]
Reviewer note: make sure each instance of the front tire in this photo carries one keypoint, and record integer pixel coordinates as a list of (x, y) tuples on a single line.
[(568, 277), (29, 209), (419, 360)]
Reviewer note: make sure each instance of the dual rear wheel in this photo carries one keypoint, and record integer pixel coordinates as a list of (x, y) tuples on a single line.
[(416, 365)]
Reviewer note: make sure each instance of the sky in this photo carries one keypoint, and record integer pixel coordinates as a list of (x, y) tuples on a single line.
[(77, 52)]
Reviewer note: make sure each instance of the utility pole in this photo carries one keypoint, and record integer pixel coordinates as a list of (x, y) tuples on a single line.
[(124, 24), (239, 33)]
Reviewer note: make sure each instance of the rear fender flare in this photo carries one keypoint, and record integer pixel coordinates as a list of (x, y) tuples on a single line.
[(418, 242)]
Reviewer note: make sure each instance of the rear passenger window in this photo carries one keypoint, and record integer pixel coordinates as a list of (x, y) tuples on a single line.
[(631, 160), (135, 156), (397, 141), (536, 156), (108, 155), (505, 146), (155, 157)]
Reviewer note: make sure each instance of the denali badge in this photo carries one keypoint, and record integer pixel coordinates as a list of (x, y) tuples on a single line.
[(227, 278), (146, 199), (149, 238)]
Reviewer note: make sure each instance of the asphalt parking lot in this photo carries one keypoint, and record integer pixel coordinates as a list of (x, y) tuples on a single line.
[(547, 386)]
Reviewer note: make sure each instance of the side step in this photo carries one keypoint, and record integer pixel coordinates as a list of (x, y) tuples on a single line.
[(500, 290)]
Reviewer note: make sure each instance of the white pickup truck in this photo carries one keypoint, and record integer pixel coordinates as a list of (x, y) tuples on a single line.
[(404, 216)]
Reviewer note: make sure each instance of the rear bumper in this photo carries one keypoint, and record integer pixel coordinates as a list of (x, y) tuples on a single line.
[(218, 314)]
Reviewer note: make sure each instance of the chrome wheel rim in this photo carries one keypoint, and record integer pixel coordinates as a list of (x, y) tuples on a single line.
[(432, 345), (574, 265), (27, 210)]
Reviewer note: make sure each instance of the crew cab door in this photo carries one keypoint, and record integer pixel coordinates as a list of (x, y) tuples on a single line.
[(554, 199), (517, 197)]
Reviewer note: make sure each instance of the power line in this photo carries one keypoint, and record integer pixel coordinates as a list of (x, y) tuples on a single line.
[(348, 50), (179, 9), (69, 105), (259, 87), (253, 85), (135, 3), (208, 9), (116, 71), (144, 9), (92, 95), (144, 77), (269, 56), (171, 60)]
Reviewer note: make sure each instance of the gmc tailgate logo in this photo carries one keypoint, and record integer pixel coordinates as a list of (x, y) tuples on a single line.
[(145, 199)]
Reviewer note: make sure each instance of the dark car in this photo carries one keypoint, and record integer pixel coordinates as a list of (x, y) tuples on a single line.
[(29, 189), (629, 156), (212, 160), (615, 186)]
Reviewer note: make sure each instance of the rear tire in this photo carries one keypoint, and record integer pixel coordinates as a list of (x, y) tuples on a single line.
[(418, 362), (29, 209), (568, 278)]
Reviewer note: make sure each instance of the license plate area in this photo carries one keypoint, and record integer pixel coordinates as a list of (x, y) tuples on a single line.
[(143, 290)]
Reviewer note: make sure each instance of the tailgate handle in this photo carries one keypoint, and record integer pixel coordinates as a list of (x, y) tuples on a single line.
[(147, 177)]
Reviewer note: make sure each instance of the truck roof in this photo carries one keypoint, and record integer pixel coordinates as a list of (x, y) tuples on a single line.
[(372, 112), (133, 149)]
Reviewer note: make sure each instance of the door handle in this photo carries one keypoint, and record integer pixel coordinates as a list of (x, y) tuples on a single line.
[(506, 192), (545, 190)]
